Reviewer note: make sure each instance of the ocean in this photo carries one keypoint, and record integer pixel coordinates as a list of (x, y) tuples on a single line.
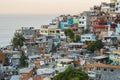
[(10, 23)]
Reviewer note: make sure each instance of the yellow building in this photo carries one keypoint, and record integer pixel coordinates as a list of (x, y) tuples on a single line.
[(44, 29), (48, 29)]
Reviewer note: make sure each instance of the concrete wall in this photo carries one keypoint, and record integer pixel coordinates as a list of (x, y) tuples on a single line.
[(107, 73)]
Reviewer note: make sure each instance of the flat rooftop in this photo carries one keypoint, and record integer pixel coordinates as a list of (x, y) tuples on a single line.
[(100, 57), (116, 51), (25, 70)]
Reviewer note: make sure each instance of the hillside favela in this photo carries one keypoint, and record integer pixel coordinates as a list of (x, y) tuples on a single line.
[(83, 46)]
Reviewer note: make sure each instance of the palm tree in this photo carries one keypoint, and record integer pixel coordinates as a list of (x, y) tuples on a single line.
[(18, 40)]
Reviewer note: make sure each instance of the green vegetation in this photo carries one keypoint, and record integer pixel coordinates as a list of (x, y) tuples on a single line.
[(69, 32), (63, 55), (76, 38), (18, 40), (97, 45), (86, 31), (72, 36), (71, 74), (23, 61)]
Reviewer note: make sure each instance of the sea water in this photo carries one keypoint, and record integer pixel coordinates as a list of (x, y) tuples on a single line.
[(10, 23)]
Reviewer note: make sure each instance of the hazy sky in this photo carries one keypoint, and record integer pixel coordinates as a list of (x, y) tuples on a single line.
[(46, 6)]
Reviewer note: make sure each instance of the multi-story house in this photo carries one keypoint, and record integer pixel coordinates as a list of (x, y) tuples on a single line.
[(99, 25), (117, 6), (12, 58), (65, 21), (44, 29), (105, 7), (48, 29), (76, 19), (106, 72), (109, 38), (29, 32), (54, 25), (84, 20), (112, 5), (118, 29), (115, 57), (93, 13), (63, 37), (88, 37), (66, 24)]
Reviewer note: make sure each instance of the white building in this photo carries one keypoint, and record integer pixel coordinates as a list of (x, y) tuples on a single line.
[(118, 29), (105, 7), (83, 21), (117, 6), (88, 37)]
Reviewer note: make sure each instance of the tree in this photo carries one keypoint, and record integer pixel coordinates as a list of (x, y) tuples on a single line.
[(71, 74), (69, 33), (76, 38), (97, 45), (22, 61), (18, 40), (86, 30)]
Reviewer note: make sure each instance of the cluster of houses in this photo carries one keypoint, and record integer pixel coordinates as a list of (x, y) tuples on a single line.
[(49, 50)]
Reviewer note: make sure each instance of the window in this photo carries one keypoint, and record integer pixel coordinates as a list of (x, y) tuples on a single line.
[(98, 76), (98, 68), (52, 31), (116, 9), (80, 22), (105, 69), (87, 37), (83, 38), (117, 3), (57, 31), (111, 70)]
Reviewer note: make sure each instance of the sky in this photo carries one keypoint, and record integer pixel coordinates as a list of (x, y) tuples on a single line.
[(46, 6)]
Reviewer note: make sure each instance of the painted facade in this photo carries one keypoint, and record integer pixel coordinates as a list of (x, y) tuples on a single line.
[(105, 7), (115, 57), (117, 6), (106, 72), (44, 29), (84, 20), (88, 37), (99, 25), (66, 24)]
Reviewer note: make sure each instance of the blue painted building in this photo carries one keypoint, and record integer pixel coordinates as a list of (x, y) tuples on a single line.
[(68, 23)]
